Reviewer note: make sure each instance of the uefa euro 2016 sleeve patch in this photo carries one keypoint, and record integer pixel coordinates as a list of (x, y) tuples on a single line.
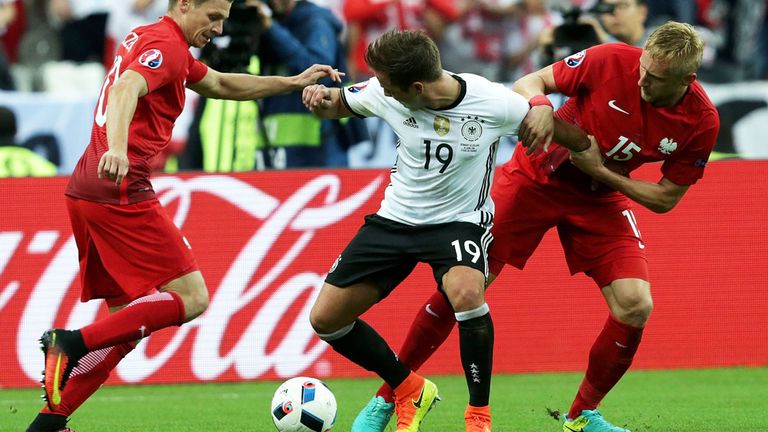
[(357, 87), (574, 60), (152, 58)]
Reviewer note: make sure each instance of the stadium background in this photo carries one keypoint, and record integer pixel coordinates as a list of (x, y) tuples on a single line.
[(265, 240)]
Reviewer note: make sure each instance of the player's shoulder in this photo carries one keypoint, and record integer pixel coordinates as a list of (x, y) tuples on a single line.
[(698, 100), (479, 86)]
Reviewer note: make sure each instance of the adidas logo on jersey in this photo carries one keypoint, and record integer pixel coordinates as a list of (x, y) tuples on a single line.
[(411, 122)]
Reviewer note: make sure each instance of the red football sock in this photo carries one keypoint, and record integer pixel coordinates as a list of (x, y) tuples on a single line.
[(609, 359), (137, 320), (91, 372), (431, 326)]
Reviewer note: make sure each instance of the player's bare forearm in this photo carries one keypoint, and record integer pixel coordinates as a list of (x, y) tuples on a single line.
[(237, 86), (658, 197), (570, 136)]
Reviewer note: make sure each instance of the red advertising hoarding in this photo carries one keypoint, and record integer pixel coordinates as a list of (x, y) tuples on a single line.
[(264, 242)]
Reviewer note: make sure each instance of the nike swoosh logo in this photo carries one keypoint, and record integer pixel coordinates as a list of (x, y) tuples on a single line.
[(417, 403), (430, 311), (572, 430), (612, 104), (620, 345)]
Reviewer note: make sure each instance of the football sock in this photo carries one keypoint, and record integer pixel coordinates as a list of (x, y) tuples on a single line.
[(48, 423), (137, 320), (476, 346), (91, 372), (431, 326), (411, 384), (360, 343), (610, 357)]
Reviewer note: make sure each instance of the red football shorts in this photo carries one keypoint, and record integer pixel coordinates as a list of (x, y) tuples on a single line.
[(599, 234), (126, 251)]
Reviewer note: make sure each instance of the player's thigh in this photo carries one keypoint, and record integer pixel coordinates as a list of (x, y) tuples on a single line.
[(602, 239), (525, 211), (337, 307), (378, 255), (455, 251)]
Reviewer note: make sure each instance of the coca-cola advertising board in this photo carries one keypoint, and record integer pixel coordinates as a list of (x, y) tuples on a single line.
[(265, 241)]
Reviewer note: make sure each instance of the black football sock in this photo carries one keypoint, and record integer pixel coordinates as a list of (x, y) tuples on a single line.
[(360, 343), (47, 423), (476, 345)]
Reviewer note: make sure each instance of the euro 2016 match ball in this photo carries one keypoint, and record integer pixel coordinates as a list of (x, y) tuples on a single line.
[(303, 404)]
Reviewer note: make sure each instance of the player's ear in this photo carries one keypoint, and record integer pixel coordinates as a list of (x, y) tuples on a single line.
[(689, 79), (419, 87)]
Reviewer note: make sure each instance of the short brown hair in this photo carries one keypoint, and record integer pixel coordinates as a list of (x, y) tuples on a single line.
[(172, 3), (406, 56), (678, 45)]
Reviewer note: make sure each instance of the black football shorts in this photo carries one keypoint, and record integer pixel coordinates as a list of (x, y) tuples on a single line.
[(385, 252)]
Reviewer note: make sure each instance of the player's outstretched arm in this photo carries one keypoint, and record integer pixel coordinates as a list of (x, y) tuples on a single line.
[(658, 197), (238, 86), (325, 102)]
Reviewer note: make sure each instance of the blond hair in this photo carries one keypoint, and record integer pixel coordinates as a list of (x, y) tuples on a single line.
[(678, 45)]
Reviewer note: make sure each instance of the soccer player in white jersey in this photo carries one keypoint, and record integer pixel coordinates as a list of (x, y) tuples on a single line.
[(436, 210)]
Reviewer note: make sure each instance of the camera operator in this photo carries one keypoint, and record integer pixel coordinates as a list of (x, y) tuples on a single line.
[(299, 33), (623, 21), (226, 135)]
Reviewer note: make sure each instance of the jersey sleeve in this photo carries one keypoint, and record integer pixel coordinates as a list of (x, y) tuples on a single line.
[(364, 99), (516, 109), (160, 62), (197, 69), (581, 71), (688, 166)]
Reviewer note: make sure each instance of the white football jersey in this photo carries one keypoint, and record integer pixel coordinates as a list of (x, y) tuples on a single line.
[(445, 157)]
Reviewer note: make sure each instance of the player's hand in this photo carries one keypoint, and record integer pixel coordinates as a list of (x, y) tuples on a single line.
[(114, 165), (537, 129), (317, 72), (316, 96)]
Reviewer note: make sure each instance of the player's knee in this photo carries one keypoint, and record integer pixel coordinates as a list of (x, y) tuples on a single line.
[(320, 321), (636, 311), (465, 288), (196, 302)]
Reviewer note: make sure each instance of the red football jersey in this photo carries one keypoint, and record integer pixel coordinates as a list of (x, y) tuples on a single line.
[(605, 102), (160, 53)]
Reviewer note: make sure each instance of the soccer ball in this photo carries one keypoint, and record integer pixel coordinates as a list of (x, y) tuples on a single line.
[(303, 404)]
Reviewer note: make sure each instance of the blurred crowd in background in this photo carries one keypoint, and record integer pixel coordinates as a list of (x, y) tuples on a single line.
[(64, 48)]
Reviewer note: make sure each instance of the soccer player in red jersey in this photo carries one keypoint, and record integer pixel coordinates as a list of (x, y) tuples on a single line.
[(131, 254), (640, 105)]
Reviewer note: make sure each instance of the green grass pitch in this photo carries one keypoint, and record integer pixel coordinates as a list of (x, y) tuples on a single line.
[(709, 400)]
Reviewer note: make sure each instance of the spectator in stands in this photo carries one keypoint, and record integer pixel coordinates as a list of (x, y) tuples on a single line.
[(15, 160), (475, 42), (368, 19), (83, 29), (7, 15), (623, 21), (125, 15), (529, 33), (297, 34)]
